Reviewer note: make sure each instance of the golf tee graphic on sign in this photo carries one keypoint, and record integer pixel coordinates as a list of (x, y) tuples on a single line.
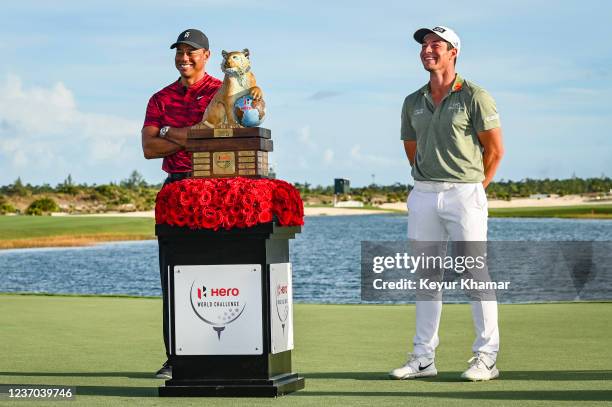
[(218, 306), (218, 309)]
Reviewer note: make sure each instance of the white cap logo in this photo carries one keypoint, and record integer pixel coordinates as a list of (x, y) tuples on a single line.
[(443, 32), (186, 34)]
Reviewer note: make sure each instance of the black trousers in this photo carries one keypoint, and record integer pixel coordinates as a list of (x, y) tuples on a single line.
[(163, 277), (163, 274)]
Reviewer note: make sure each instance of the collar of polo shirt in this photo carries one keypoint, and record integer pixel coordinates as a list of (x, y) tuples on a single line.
[(456, 87)]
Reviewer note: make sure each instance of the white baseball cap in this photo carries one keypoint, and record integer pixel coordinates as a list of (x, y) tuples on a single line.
[(443, 32)]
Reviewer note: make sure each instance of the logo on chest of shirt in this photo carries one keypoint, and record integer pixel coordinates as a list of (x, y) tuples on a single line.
[(418, 112), (456, 106)]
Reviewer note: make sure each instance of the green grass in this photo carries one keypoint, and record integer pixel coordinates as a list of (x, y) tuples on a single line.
[(108, 347), (577, 211), (23, 227), (43, 231)]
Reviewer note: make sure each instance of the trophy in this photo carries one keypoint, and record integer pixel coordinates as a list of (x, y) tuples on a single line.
[(227, 142), (227, 258)]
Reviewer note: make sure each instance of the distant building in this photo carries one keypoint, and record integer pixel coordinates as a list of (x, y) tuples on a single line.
[(349, 204), (342, 186)]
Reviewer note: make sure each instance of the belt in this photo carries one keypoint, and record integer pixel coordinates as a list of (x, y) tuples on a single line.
[(177, 176), (432, 186)]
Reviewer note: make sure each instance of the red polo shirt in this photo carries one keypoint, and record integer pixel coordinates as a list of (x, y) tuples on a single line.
[(180, 106)]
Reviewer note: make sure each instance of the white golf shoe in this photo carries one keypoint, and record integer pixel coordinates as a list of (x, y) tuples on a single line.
[(416, 366), (482, 367)]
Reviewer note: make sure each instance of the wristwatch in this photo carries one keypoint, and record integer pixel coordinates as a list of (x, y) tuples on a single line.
[(163, 131)]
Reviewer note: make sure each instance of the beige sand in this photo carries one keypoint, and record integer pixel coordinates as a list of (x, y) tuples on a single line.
[(307, 211), (568, 200)]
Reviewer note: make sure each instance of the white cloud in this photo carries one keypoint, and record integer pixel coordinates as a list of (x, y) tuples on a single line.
[(43, 131), (328, 156), (306, 138), (382, 161)]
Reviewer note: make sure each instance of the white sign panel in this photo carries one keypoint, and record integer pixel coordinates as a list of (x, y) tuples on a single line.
[(218, 309), (281, 307)]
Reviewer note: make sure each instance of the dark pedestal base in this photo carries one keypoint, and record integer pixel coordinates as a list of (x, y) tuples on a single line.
[(273, 387), (266, 374)]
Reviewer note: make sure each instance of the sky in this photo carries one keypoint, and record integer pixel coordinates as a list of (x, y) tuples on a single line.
[(75, 78)]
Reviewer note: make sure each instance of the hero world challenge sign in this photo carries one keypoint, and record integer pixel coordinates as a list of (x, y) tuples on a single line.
[(218, 310)]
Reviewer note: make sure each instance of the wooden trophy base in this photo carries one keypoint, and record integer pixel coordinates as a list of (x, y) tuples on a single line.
[(241, 152)]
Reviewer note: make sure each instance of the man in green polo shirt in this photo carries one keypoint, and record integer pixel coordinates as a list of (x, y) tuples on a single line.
[(452, 137)]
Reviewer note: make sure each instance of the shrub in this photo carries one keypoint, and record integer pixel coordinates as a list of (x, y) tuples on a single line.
[(7, 208), (42, 206)]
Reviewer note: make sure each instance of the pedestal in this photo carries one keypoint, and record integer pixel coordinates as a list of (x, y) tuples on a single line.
[(230, 311)]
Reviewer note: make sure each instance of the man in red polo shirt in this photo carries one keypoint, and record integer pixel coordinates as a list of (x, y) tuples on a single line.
[(170, 114)]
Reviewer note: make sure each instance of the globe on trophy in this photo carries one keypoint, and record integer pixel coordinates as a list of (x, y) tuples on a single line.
[(249, 112)]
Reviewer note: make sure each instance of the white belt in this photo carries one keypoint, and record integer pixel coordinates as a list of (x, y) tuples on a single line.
[(432, 186)]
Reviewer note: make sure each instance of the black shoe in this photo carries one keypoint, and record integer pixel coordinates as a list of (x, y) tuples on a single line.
[(165, 372)]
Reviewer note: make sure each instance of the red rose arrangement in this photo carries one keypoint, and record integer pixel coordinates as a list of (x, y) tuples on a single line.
[(214, 203)]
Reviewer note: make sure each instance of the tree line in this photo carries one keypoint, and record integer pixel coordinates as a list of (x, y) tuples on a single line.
[(134, 193), (496, 190)]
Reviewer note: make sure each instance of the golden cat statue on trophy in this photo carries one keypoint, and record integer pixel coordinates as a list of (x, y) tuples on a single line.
[(238, 81)]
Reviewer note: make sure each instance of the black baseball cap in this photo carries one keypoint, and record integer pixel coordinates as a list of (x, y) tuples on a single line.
[(193, 37)]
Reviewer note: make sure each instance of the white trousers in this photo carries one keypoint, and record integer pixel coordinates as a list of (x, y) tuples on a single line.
[(439, 211)]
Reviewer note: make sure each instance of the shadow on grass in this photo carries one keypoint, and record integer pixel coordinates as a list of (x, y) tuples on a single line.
[(131, 375), (109, 391), (544, 375), (473, 392), (116, 391)]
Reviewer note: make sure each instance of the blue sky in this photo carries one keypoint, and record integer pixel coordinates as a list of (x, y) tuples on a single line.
[(75, 78)]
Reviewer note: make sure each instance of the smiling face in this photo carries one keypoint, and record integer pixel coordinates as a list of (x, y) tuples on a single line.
[(435, 54), (191, 63)]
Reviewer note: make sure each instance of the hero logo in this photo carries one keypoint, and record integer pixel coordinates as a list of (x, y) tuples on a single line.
[(218, 307), (218, 292), (281, 289)]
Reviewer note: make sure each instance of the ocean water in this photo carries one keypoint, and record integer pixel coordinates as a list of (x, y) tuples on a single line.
[(325, 258)]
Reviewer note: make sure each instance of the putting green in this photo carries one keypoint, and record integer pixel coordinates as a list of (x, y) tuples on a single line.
[(108, 347)]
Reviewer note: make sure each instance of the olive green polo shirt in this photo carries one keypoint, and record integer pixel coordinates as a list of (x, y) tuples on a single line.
[(448, 149)]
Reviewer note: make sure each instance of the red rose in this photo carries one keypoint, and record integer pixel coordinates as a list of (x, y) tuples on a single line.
[(248, 201), (231, 197), (240, 220), (179, 219), (192, 220), (228, 202), (229, 221), (199, 217), (281, 195), (284, 217), (211, 219), (205, 197), (264, 205), (218, 200), (265, 216), (160, 214)]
